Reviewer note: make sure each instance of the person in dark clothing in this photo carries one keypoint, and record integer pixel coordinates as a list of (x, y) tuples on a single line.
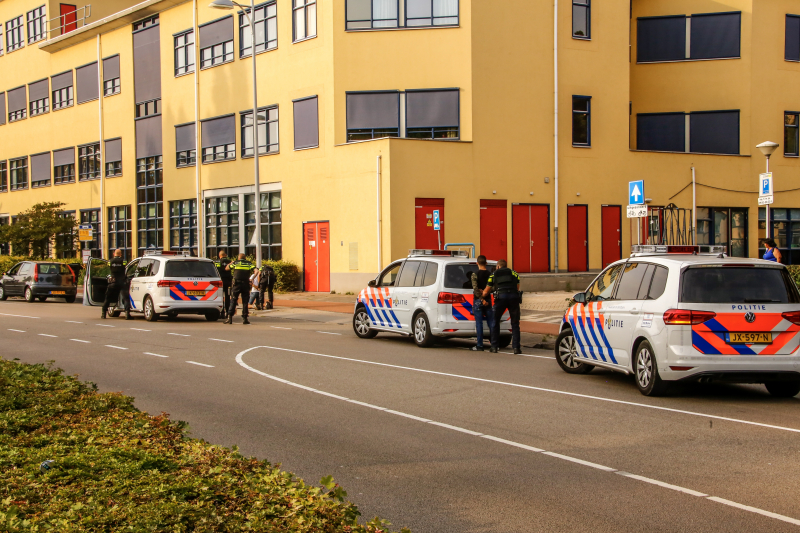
[(227, 280), (117, 284), (481, 307), (504, 282), (240, 269), (267, 284)]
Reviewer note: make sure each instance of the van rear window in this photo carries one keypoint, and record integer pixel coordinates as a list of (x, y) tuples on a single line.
[(738, 285), (190, 269), (457, 276)]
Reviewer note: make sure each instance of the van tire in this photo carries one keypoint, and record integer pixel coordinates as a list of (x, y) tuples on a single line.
[(421, 330), (783, 389), (29, 295), (645, 371), (213, 315), (362, 323), (150, 310), (567, 354)]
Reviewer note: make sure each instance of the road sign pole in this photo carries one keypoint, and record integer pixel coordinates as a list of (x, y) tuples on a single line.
[(768, 221)]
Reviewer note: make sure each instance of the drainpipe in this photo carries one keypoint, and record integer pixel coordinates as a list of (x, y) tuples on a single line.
[(200, 211), (694, 208), (103, 221), (378, 177), (555, 125)]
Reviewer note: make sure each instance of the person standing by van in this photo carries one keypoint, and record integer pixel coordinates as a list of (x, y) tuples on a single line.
[(481, 306), (504, 282)]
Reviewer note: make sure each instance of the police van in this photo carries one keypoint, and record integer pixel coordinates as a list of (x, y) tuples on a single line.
[(427, 295), (162, 283), (687, 313)]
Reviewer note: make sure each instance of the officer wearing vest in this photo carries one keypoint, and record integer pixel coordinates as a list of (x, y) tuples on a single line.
[(227, 280), (266, 284), (118, 284), (504, 282), (241, 269)]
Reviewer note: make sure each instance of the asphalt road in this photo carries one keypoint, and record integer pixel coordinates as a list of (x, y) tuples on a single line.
[(442, 439)]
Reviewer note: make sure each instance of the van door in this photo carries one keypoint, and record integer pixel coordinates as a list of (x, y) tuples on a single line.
[(405, 293), (138, 288), (377, 299), (130, 273), (622, 317), (587, 320), (95, 282)]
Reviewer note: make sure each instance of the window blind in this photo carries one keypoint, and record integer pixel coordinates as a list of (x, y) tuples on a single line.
[(217, 132), (373, 110), (86, 78), (65, 156), (714, 132), (113, 150), (661, 38), (148, 137), (111, 68), (147, 64), (40, 167), (715, 35), (429, 109), (61, 81), (792, 52), (17, 99), (306, 123), (185, 137), (216, 32), (663, 132), (38, 90)]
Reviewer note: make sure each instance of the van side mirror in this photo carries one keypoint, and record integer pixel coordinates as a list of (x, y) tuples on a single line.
[(580, 298), (372, 283)]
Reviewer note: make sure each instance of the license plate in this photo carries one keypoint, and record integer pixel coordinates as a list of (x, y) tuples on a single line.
[(58, 292), (749, 338), (195, 293)]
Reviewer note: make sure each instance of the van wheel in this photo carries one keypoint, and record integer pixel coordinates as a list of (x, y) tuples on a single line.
[(783, 389), (422, 331), (150, 310), (3, 295), (29, 295), (645, 369), (567, 354), (505, 341), (212, 316), (362, 323)]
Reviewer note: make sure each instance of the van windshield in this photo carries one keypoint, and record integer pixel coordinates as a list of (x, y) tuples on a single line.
[(737, 285), (190, 269)]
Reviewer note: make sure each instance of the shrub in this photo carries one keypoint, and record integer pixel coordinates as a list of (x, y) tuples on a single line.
[(117, 468), (794, 272)]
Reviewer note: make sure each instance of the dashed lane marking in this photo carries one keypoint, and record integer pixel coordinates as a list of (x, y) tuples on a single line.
[(17, 330), (140, 329), (608, 469), (46, 335), (115, 347), (218, 340), (278, 327), (200, 364), (105, 325), (328, 333), (155, 354), (79, 340), (179, 334), (19, 316), (73, 322)]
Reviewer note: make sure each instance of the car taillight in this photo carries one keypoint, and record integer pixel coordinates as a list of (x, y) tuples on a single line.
[(792, 316), (450, 298), (217, 284), (36, 272), (168, 283), (685, 317)]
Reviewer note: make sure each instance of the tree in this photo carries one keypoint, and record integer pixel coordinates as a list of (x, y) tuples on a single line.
[(35, 229)]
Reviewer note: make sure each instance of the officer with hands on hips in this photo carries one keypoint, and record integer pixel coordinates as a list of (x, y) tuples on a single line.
[(241, 269), (227, 280), (117, 284), (504, 282)]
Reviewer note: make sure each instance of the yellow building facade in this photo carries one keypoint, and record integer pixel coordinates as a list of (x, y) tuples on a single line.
[(512, 126)]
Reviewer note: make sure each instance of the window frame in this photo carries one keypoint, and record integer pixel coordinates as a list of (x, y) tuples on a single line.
[(69, 92), (12, 186), (18, 29), (796, 127), (587, 6), (184, 48), (270, 250), (243, 26), (181, 218), (687, 38), (89, 163), (372, 20), (41, 106), (31, 19), (213, 224), (588, 114), (432, 18), (3, 176), (63, 174), (112, 87), (114, 221), (38, 184), (305, 9), (433, 129), (150, 108), (266, 137), (150, 185)]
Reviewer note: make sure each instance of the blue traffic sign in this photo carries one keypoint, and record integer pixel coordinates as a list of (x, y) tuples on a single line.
[(436, 226), (636, 192)]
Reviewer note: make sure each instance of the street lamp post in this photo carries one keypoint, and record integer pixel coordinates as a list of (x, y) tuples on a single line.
[(767, 148), (228, 5)]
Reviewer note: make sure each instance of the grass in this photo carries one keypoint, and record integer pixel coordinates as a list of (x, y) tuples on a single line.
[(119, 469)]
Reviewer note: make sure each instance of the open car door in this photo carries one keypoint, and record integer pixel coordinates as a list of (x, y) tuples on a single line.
[(95, 282)]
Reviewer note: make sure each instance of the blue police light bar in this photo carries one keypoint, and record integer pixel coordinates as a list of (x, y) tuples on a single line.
[(440, 253)]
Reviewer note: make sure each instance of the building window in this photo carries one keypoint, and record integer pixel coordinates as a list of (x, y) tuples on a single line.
[(17, 104), (270, 224), (373, 115), (304, 19), (146, 109), (89, 162), (64, 174), (695, 37), (14, 37), (19, 173), (723, 226), (785, 231), (111, 87), (183, 225), (792, 45), (37, 25), (146, 23), (119, 230), (39, 107), (790, 134), (40, 170), (216, 55), (222, 226), (65, 242), (186, 158), (432, 114), (63, 98), (1, 40), (225, 152), (373, 14), (219, 139), (87, 83), (111, 78), (3, 176), (581, 121), (113, 157), (17, 115), (149, 184), (709, 132), (92, 217), (266, 23), (267, 132), (184, 53), (185, 145), (581, 22), (431, 12), (4, 248)]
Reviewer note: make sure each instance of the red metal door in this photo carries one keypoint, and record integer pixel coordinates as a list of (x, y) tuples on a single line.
[(494, 229), (577, 238), (69, 18), (426, 237), (612, 234), (530, 237), (316, 257)]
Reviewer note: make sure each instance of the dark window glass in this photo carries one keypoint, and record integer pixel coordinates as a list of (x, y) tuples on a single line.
[(120, 230), (267, 132), (266, 23), (733, 285), (37, 25), (192, 268), (792, 49), (790, 134), (581, 124), (89, 162), (633, 277), (389, 276), (408, 274), (714, 132), (14, 38), (304, 19), (658, 284), (603, 288), (3, 178), (183, 226), (150, 203), (661, 39), (184, 53), (647, 279), (661, 132), (431, 272), (222, 226), (715, 35), (581, 19), (19, 173), (457, 276)]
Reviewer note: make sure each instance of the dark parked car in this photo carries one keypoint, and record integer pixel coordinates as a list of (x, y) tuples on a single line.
[(40, 280)]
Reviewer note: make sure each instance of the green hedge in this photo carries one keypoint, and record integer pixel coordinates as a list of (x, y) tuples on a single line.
[(119, 469), (794, 271), (286, 272)]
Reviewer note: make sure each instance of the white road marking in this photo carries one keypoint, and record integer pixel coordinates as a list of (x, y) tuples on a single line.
[(46, 335), (105, 325), (139, 329), (538, 356), (218, 340), (200, 364), (73, 322), (19, 316), (179, 334), (278, 327), (79, 340), (542, 389), (240, 361), (17, 330), (115, 347), (156, 354), (328, 333)]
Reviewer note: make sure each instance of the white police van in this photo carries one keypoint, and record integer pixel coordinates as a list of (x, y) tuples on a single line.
[(426, 295), (675, 313), (162, 283)]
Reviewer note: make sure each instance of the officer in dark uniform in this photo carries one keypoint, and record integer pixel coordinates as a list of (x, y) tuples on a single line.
[(504, 282), (118, 284), (241, 269), (227, 280), (266, 283)]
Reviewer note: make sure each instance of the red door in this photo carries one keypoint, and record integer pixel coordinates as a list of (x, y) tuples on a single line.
[(426, 237), (494, 229), (612, 234), (317, 257), (69, 18), (530, 237), (577, 238)]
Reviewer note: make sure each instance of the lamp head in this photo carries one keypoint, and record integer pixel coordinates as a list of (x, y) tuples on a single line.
[(222, 4), (767, 147)]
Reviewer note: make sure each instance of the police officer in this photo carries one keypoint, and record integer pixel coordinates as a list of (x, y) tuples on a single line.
[(504, 282), (241, 269), (117, 284), (227, 280), (267, 284)]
